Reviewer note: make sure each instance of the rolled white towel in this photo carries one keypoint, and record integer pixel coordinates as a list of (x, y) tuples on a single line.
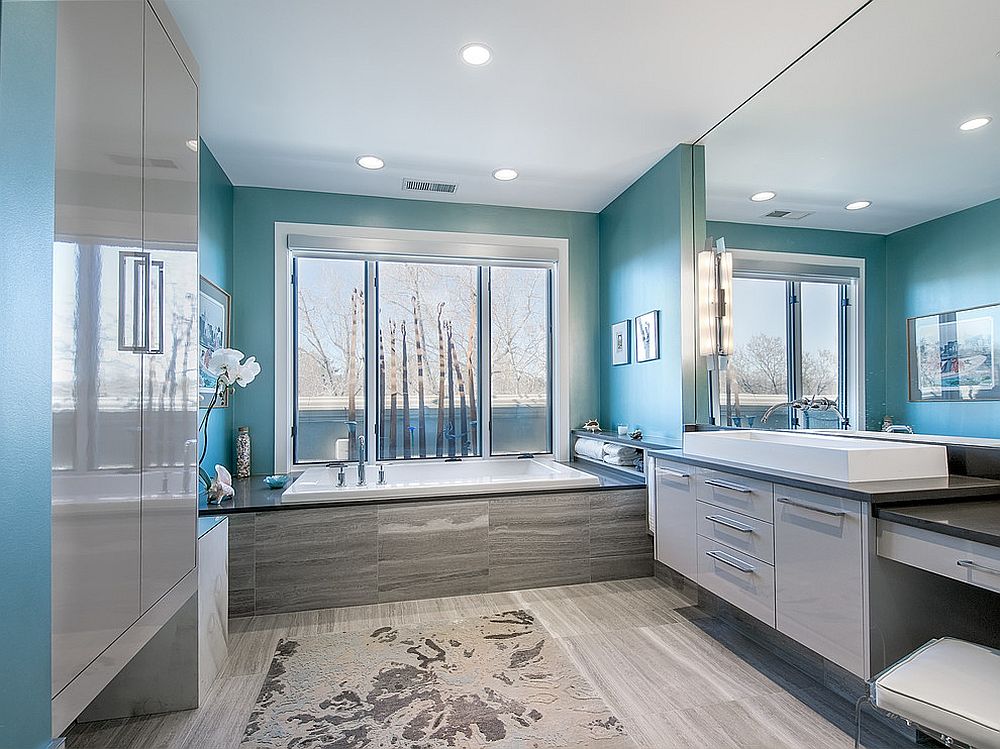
[(589, 448), (620, 451), (617, 461)]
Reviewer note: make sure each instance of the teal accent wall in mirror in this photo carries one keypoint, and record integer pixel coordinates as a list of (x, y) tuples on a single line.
[(861, 143)]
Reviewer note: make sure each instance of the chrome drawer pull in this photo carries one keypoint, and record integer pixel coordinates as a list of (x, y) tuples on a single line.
[(729, 523), (814, 508), (734, 563), (675, 474), (727, 485), (977, 567)]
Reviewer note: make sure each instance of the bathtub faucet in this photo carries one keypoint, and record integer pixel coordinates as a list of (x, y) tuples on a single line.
[(361, 461)]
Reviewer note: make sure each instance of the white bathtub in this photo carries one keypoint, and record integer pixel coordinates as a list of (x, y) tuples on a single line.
[(437, 479)]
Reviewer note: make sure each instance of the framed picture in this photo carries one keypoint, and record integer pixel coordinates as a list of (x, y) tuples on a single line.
[(952, 356), (620, 348), (214, 306), (647, 336)]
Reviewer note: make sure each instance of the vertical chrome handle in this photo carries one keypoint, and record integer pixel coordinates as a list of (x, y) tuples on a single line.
[(155, 279), (133, 320)]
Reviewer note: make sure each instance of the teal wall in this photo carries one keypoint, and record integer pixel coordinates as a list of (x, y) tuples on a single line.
[(946, 264), (871, 247), (256, 211), (643, 234), (215, 247), (27, 166)]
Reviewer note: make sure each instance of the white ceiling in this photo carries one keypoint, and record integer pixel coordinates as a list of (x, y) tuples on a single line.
[(871, 114), (582, 96)]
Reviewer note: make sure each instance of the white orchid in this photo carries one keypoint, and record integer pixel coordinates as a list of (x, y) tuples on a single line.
[(228, 365)]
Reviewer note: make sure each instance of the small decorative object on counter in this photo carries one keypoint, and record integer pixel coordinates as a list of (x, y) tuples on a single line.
[(592, 425), (243, 453), (622, 430), (636, 435), (277, 481), (221, 487)]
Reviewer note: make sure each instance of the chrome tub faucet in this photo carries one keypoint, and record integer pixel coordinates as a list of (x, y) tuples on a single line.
[(361, 461)]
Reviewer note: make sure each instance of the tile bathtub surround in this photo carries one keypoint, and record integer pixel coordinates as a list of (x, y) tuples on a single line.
[(299, 560)]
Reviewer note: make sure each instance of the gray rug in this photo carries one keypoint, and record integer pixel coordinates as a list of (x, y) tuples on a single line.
[(496, 681)]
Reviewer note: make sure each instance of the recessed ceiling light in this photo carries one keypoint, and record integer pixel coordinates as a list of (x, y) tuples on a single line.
[(505, 174), (370, 162), (760, 197), (192, 144), (975, 123), (476, 54), (857, 205)]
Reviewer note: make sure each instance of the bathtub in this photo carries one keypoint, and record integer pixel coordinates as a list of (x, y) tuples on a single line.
[(437, 479)]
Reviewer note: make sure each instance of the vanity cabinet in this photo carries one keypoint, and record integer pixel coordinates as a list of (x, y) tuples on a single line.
[(820, 574), (673, 489)]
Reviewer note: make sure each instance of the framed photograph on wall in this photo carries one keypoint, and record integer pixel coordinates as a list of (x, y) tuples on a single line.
[(647, 336), (620, 348), (214, 307), (952, 356)]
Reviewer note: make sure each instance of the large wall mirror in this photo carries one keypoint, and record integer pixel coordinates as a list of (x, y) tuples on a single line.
[(859, 193)]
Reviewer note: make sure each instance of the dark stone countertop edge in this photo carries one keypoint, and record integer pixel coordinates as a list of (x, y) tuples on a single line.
[(960, 487), (903, 515), (643, 444), (253, 496)]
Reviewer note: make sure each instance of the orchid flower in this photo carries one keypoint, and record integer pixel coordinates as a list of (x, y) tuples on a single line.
[(230, 370)]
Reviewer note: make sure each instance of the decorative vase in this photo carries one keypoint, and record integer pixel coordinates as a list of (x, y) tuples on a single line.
[(243, 453)]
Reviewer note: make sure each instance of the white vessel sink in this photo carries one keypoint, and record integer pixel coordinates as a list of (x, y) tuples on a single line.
[(845, 459)]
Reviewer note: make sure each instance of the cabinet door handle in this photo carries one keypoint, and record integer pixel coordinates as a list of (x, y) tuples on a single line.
[(977, 567), (814, 508), (726, 485), (731, 561), (721, 520), (156, 279), (675, 474), (135, 286)]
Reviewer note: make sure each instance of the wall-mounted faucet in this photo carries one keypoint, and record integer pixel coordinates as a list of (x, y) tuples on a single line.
[(816, 403)]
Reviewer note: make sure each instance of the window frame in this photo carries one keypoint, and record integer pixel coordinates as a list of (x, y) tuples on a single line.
[(795, 269), (372, 245)]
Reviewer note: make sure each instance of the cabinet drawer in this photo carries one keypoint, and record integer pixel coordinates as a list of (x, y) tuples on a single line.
[(745, 582), (748, 496), (737, 531), (969, 561)]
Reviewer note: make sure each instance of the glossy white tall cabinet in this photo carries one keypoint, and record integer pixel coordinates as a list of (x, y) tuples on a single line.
[(125, 347)]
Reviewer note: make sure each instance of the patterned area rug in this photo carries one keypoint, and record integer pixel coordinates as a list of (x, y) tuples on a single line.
[(496, 681)]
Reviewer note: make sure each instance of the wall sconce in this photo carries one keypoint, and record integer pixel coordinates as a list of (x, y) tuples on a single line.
[(715, 305)]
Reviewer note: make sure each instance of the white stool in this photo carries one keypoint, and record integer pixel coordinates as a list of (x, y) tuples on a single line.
[(948, 688)]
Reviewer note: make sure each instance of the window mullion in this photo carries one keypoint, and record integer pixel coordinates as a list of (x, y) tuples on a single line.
[(485, 367), (372, 404), (794, 320)]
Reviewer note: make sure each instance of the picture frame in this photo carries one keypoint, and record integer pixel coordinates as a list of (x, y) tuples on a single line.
[(214, 328), (647, 336), (952, 356), (621, 350)]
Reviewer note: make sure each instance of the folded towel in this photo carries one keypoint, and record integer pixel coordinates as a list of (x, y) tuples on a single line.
[(620, 451), (616, 461), (589, 448)]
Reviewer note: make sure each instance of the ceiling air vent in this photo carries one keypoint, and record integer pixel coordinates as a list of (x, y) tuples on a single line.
[(420, 185), (788, 215)]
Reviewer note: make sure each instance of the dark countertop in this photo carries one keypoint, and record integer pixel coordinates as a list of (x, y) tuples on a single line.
[(873, 492), (974, 521), (253, 495)]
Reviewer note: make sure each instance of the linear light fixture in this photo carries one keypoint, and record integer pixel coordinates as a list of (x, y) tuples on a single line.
[(715, 306)]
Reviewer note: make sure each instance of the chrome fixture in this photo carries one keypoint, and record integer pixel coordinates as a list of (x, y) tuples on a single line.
[(361, 461), (897, 429), (381, 474), (341, 477), (715, 300), (816, 403)]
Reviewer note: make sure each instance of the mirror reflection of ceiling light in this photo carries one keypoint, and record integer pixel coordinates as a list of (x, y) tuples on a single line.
[(975, 123), (857, 205), (505, 174), (370, 162), (476, 54), (760, 197)]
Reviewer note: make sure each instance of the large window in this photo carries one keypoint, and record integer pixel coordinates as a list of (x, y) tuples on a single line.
[(406, 341), (790, 340)]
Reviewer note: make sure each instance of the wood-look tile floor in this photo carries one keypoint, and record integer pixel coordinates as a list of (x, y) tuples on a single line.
[(675, 676)]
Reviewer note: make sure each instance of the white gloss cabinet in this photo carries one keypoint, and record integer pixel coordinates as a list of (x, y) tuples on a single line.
[(675, 538), (820, 574), (125, 347)]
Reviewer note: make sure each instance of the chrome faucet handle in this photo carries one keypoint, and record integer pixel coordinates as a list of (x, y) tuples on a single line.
[(381, 474)]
